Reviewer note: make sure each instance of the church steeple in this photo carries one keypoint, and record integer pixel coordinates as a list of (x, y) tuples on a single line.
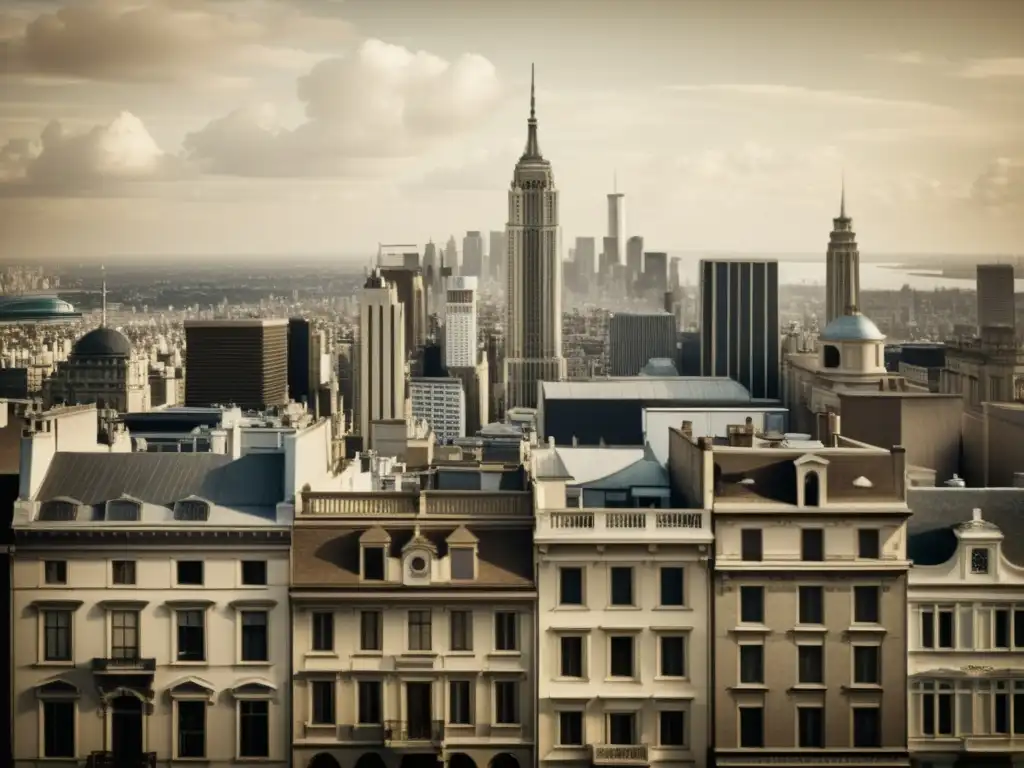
[(532, 151)]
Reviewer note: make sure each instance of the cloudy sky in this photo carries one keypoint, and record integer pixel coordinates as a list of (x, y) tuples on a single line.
[(206, 127)]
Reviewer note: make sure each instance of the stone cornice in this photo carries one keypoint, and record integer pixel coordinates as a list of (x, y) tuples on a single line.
[(75, 536)]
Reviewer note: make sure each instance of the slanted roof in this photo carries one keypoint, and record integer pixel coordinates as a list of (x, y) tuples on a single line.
[(256, 480), (588, 465), (937, 512), (650, 389)]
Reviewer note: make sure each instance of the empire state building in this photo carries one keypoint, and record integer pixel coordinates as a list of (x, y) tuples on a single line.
[(533, 327)]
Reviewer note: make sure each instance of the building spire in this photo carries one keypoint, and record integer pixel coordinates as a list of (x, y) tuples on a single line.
[(842, 197), (532, 150), (103, 292)]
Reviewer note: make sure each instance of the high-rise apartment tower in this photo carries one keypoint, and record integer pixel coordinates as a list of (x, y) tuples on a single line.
[(382, 382)]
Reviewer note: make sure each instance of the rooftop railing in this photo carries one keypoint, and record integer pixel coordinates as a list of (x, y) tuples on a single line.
[(596, 523), (431, 503)]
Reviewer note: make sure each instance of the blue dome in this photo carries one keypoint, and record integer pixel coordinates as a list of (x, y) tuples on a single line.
[(852, 328), (35, 308)]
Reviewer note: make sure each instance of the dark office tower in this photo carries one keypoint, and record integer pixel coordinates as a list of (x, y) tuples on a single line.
[(739, 327), (842, 267), (656, 272), (411, 260), (473, 254), (409, 284), (348, 375), (498, 257), (300, 347), (996, 297), (634, 338), (236, 362)]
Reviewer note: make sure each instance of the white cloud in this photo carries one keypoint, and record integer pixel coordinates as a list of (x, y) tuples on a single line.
[(161, 40), (1000, 184), (382, 102), (61, 162), (795, 93), (983, 69), (909, 58)]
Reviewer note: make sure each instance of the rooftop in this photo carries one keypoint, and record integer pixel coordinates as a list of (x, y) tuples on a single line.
[(938, 511), (102, 342), (697, 389), (855, 327)]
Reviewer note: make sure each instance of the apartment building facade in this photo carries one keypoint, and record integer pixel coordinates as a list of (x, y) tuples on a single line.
[(966, 635), (150, 609), (413, 629), (809, 607), (623, 653)]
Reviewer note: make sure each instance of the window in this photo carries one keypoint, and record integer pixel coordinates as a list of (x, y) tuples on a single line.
[(254, 573), (124, 635), (751, 544), (752, 605), (463, 563), (321, 705), (752, 727), (191, 728), (868, 544), (571, 656), (59, 728), (370, 702), (812, 544), (254, 728), (865, 605), (936, 708), (672, 728), (622, 586), (419, 631), (621, 656), (810, 664), (752, 664), (369, 630), (570, 728), (867, 727), (123, 572), (570, 586), (506, 631), (373, 563), (190, 573), (322, 630), (254, 636), (191, 635), (506, 702), (979, 560), (57, 635), (867, 662), (673, 656), (812, 605), (810, 723), (460, 710), (938, 626), (672, 586), (55, 572), (461, 631), (622, 728)]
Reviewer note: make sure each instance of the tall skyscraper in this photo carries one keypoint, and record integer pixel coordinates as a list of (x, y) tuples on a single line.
[(300, 350), (472, 254), (381, 354), (408, 282), (498, 256), (996, 297), (236, 362), (656, 272), (842, 267), (634, 261), (460, 330), (634, 338), (739, 328), (533, 328), (617, 226), (451, 255)]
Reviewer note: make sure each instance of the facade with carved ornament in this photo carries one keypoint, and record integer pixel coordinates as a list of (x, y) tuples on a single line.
[(413, 625), (966, 627), (623, 643), (809, 597)]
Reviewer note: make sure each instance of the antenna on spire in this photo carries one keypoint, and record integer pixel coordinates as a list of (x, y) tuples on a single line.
[(842, 197), (615, 182), (103, 292), (533, 97)]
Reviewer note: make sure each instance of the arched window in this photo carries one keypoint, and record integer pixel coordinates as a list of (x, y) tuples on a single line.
[(830, 356), (812, 489)]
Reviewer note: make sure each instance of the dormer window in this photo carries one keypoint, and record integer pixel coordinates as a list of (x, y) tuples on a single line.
[(462, 554), (979, 560), (123, 510), (192, 510), (59, 510), (373, 563)]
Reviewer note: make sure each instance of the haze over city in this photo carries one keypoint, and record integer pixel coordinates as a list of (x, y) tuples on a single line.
[(297, 127)]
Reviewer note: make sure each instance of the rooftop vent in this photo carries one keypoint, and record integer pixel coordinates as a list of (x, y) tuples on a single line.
[(862, 482), (955, 482)]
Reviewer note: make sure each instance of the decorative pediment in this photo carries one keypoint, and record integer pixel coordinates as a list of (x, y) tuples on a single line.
[(253, 688), (419, 541), (811, 461), (375, 537), (191, 687), (57, 688), (461, 537)]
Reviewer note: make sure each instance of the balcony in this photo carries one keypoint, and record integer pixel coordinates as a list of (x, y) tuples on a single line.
[(413, 734), (109, 760), (619, 754), (622, 525), (399, 504), (124, 665)]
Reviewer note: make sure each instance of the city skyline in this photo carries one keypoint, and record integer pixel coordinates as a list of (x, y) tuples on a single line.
[(314, 127)]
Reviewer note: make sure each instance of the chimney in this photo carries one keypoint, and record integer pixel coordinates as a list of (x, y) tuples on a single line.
[(741, 436), (687, 430), (575, 441), (976, 515), (899, 461), (705, 443)]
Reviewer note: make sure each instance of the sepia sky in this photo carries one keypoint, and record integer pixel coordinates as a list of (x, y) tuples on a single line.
[(229, 127)]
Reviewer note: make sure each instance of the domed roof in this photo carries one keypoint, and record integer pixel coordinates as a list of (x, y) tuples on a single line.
[(102, 342), (854, 327), (14, 308)]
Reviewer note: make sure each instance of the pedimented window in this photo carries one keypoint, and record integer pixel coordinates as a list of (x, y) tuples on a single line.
[(57, 689), (59, 510)]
